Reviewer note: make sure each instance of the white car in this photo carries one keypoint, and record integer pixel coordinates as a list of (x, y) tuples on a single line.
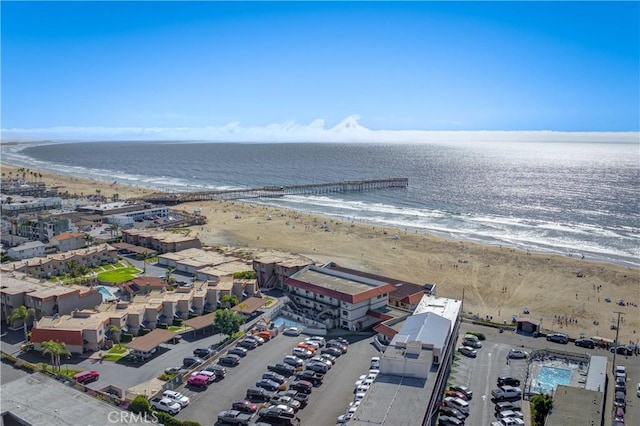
[(292, 331), (517, 354), (176, 397), (375, 362)]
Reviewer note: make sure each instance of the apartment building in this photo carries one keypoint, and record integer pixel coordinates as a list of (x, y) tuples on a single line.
[(336, 299), (160, 241), (56, 264), (27, 250), (68, 241), (272, 269)]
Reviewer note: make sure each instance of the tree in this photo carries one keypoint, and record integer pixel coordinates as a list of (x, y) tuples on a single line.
[(540, 407), (113, 229), (56, 349), (21, 313), (140, 404), (115, 331), (228, 321), (229, 300), (170, 269)]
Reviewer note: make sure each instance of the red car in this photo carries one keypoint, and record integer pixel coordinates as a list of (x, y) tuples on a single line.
[(86, 376), (456, 394), (244, 406), (198, 381)]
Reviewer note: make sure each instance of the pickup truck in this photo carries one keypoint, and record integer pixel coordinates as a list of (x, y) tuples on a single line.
[(506, 392), (166, 405), (234, 416)]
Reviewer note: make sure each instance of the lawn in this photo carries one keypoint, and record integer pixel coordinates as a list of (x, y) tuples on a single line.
[(118, 276)]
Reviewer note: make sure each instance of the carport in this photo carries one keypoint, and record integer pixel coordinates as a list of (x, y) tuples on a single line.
[(151, 340), (249, 305), (201, 322)]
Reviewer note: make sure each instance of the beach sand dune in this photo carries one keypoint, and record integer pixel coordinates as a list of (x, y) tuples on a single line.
[(567, 293)]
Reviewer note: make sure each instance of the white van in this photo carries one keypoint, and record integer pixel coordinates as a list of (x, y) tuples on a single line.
[(457, 403)]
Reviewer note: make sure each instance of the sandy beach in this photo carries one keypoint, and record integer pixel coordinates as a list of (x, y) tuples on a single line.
[(567, 293)]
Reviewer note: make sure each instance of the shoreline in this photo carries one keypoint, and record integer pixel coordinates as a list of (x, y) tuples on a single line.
[(496, 281)]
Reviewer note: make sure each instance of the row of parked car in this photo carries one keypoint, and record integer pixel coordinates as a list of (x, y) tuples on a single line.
[(620, 397), (506, 397), (455, 408), (361, 386), (285, 387)]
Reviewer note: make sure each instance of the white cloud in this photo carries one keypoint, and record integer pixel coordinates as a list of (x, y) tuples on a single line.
[(348, 130)]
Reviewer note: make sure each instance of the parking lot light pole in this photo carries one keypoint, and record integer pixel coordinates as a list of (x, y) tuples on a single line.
[(616, 343)]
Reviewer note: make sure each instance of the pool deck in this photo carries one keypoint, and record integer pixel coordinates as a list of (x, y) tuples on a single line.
[(578, 373)]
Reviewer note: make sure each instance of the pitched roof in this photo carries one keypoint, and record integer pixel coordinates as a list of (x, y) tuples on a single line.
[(249, 305), (68, 337), (68, 236), (151, 340)]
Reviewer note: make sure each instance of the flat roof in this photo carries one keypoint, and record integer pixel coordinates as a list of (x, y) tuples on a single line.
[(575, 407), (442, 306), (151, 340), (337, 284), (394, 400), (597, 373), (40, 400)]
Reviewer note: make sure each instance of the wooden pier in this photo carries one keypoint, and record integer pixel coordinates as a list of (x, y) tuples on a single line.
[(276, 191)]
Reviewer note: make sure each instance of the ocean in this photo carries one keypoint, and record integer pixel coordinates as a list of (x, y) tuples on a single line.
[(572, 199)]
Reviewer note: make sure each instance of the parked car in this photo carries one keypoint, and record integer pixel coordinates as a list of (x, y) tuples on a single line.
[(301, 386), (229, 359), (508, 380), (220, 371), (638, 390), (173, 370), (472, 343), (259, 340), (238, 351), (465, 390), (301, 353), (245, 406), (320, 360), (293, 361), (506, 393), (276, 414), (452, 412), (86, 377), (449, 421), (375, 362), (585, 343), (199, 381), (281, 368), (176, 397), (456, 394), (318, 339), (287, 400), (318, 367), (467, 351), (457, 403), (298, 396), (269, 385), (507, 405), (247, 344), (202, 352), (334, 343), (331, 351), (234, 417), (621, 350), (192, 361), (292, 331), (210, 375), (558, 338), (310, 376), (272, 375), (259, 394), (332, 359), (518, 354)]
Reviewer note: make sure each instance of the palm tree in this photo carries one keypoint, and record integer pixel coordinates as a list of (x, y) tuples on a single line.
[(115, 331), (170, 269), (21, 313), (55, 349), (113, 229)]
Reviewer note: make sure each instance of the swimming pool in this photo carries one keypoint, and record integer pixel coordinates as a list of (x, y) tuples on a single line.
[(550, 377), (286, 322), (106, 293)]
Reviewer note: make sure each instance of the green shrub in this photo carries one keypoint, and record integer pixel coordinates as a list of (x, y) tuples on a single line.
[(126, 338), (8, 358), (166, 377), (163, 325), (480, 336), (140, 404), (177, 322), (143, 331), (190, 423), (167, 419)]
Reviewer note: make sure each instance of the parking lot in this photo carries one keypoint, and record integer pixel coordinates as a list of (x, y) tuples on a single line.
[(326, 402)]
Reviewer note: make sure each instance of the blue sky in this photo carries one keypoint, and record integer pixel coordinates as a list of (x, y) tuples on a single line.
[(267, 69)]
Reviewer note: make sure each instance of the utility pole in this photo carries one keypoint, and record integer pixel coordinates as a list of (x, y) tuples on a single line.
[(616, 343)]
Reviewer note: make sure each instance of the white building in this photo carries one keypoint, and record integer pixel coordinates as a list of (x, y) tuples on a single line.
[(27, 250)]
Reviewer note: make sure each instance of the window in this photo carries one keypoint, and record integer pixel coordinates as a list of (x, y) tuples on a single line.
[(345, 313), (345, 323), (321, 296)]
